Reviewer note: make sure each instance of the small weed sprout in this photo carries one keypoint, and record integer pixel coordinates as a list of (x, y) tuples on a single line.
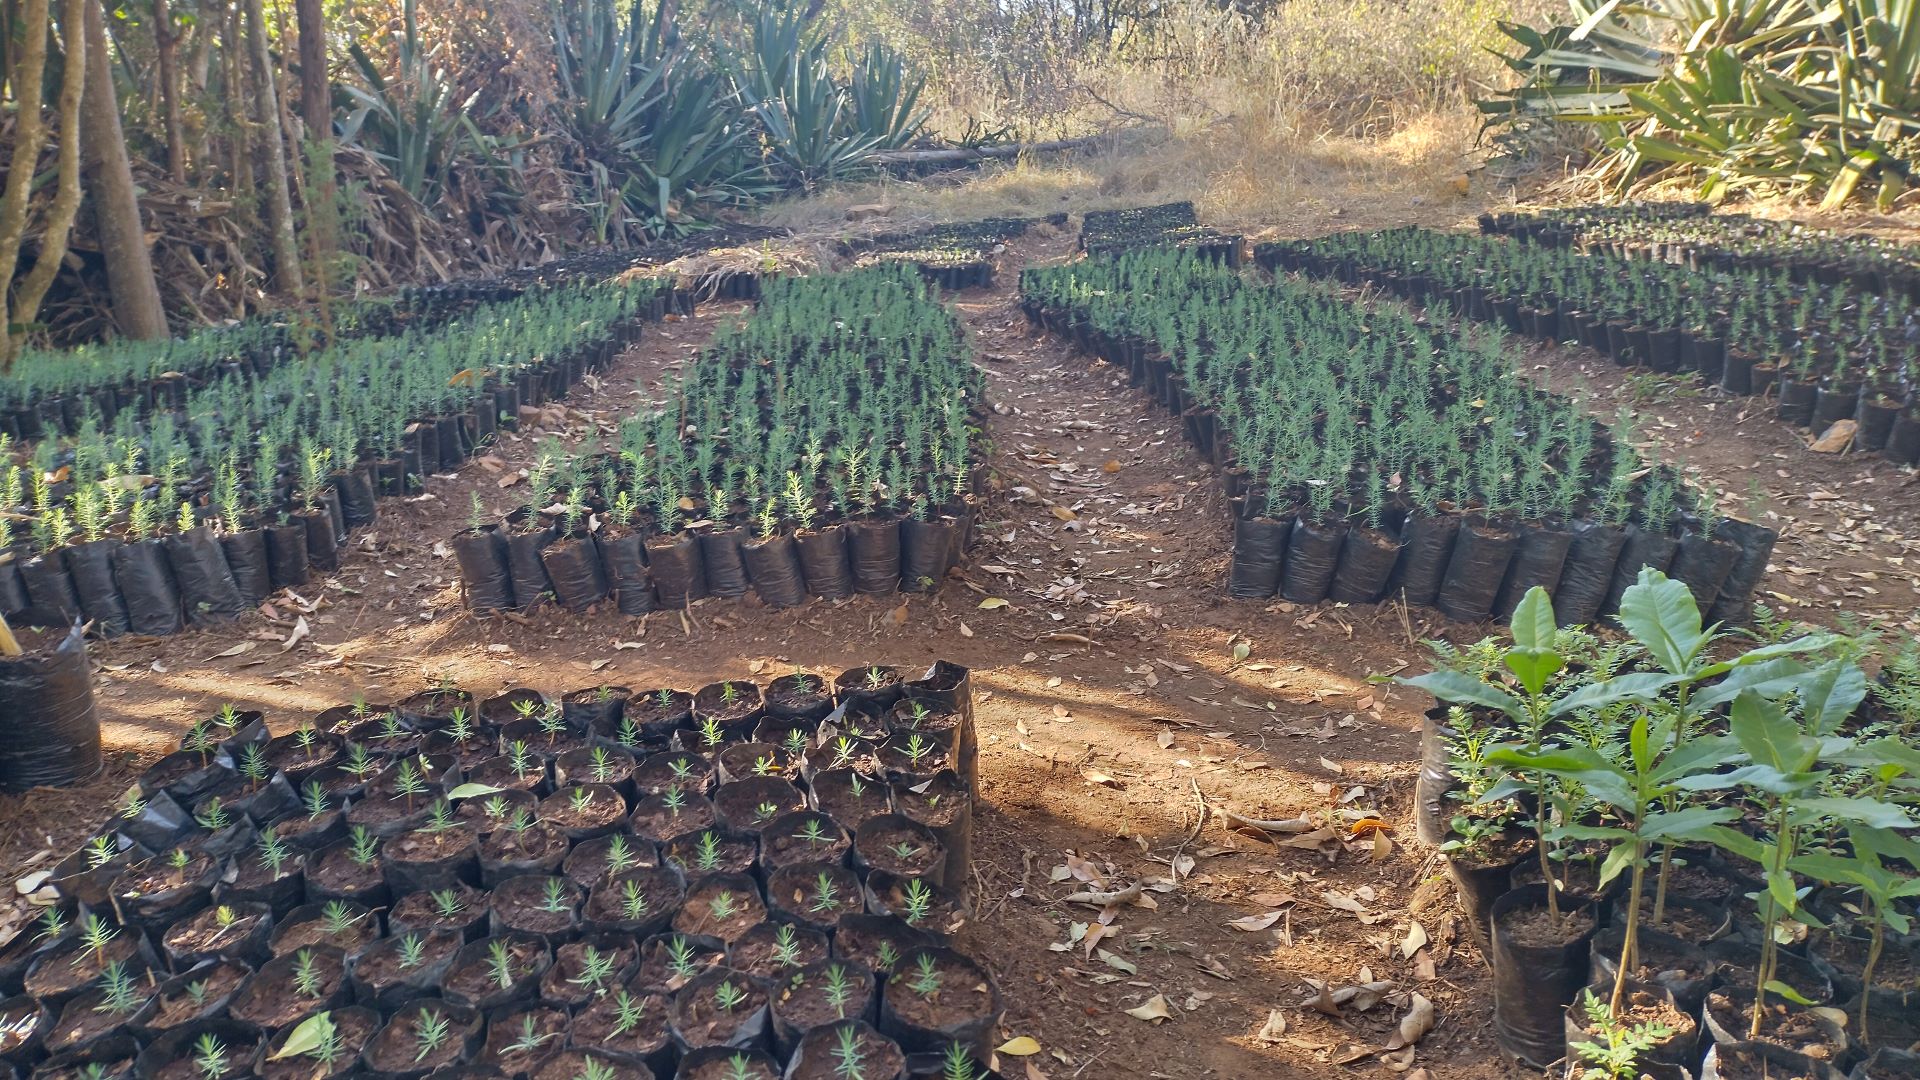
[(338, 917), (925, 980), (596, 968), (413, 951), (307, 978), (530, 1037), (447, 903), (430, 1031), (554, 897), (633, 902)]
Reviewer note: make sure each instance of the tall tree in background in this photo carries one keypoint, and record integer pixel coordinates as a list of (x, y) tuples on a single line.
[(286, 251), (28, 137), (66, 198), (164, 40), (116, 205)]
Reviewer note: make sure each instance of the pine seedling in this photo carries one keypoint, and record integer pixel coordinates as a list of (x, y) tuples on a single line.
[(430, 1031), (307, 978), (728, 997), (338, 917), (209, 1057)]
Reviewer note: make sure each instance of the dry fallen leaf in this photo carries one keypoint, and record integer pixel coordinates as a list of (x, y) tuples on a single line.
[(1154, 1009), (992, 603), (1097, 777), (299, 634), (1018, 1046), (1415, 940), (1276, 1026), (237, 650), (1255, 923), (1414, 1025)]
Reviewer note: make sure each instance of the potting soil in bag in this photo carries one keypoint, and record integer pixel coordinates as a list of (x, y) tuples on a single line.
[(720, 554), (1367, 560), (91, 567), (1537, 560), (287, 562), (627, 574), (1479, 564), (49, 735), (925, 546), (950, 686), (876, 556), (246, 554), (823, 562), (207, 591), (1642, 549), (1734, 605), (13, 588), (1587, 573), (323, 545), (679, 574), (1259, 548), (146, 586), (574, 568), (1433, 787), (1426, 543), (1535, 981), (50, 592), (1702, 564), (527, 569), (774, 564), (1312, 553), (483, 569), (357, 504)]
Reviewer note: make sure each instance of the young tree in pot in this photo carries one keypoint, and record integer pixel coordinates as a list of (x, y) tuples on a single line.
[(460, 908), (335, 923), (322, 1046), (773, 950), (498, 971), (722, 906), (594, 862), (423, 1037), (518, 1039), (109, 1009), (589, 969), (1883, 889), (722, 1007), (818, 996), (637, 902), (395, 970), (203, 993), (629, 1024), (292, 986), (75, 963), (847, 1050), (671, 960)]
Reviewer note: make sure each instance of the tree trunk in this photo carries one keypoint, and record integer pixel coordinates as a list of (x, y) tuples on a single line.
[(286, 253), (316, 93), (116, 206), (164, 41), (66, 198), (28, 136)]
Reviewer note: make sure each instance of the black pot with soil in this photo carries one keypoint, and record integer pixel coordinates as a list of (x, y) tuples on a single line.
[(936, 998), (1540, 964), (720, 1008), (721, 906), (291, 987)]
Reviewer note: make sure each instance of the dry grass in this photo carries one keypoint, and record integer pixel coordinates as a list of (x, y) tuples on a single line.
[(1324, 114), (1263, 180)]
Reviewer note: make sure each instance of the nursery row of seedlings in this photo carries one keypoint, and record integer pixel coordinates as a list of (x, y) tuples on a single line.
[(1825, 351), (1108, 232), (1679, 865), (954, 256), (1691, 235), (826, 444), (1367, 455), (53, 392), (742, 883), (193, 514)]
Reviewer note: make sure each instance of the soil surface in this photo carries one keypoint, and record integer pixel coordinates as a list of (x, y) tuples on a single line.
[(1125, 707)]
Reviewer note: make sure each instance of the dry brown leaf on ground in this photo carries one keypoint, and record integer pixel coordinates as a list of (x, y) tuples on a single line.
[(1153, 1010), (1275, 1027), (1253, 924), (1414, 1026)]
